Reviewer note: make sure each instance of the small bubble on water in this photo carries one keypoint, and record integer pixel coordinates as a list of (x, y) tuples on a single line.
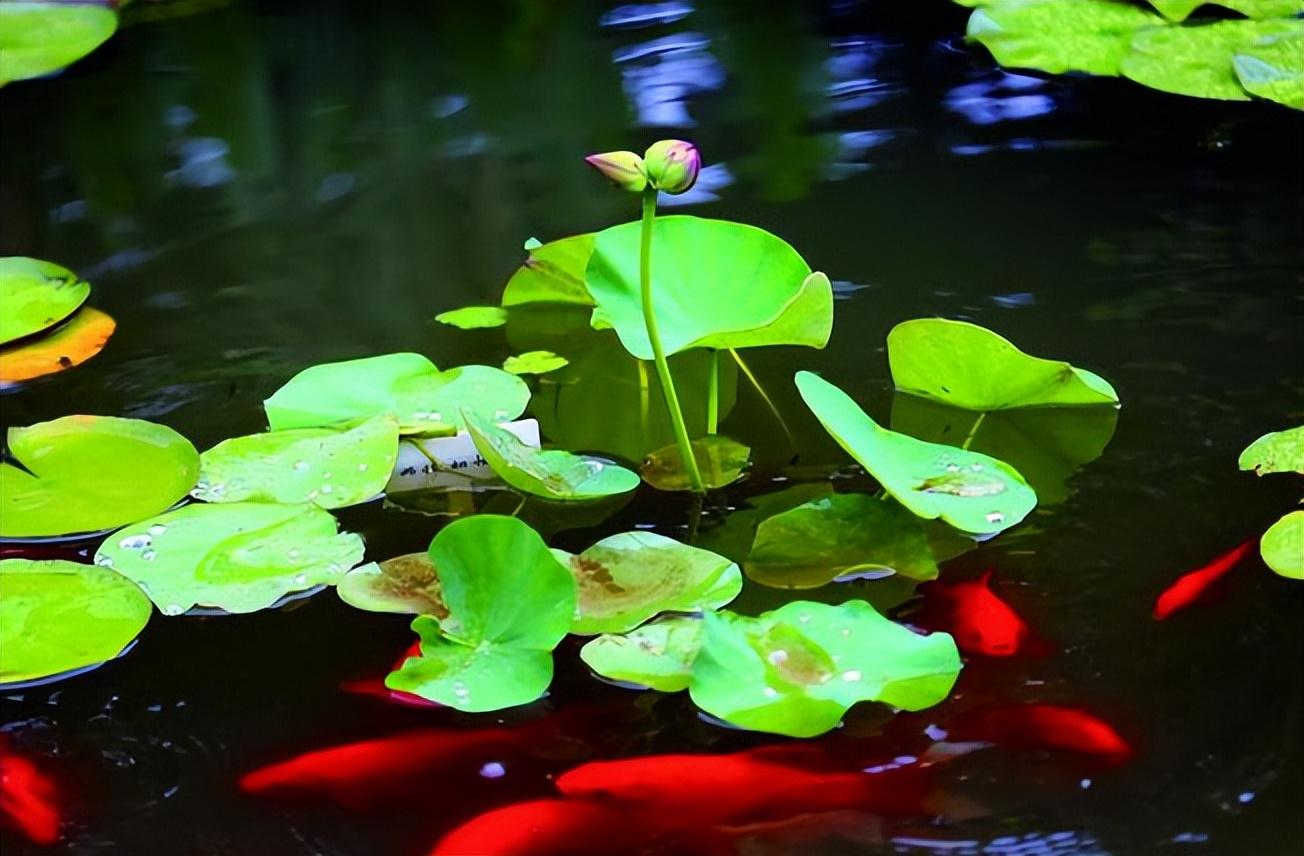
[(851, 675), (135, 542), (996, 517), (157, 529), (778, 657), (301, 466), (293, 554), (493, 770)]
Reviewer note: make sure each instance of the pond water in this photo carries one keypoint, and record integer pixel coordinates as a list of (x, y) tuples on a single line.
[(259, 187)]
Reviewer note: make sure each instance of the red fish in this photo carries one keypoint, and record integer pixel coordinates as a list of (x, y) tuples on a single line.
[(28, 798), (548, 827), (1190, 587), (1046, 726), (376, 686), (980, 621)]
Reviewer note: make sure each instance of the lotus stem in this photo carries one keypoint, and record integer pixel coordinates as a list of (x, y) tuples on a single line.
[(713, 393), (659, 352), (973, 432), (765, 397)]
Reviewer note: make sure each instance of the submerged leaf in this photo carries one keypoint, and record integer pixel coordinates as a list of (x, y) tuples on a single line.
[(88, 473), (971, 491), (1198, 61), (331, 468), (1273, 68), (58, 616), (474, 317), (84, 336), (628, 578), (39, 38), (658, 655), (967, 366), (1092, 36), (1277, 452), (408, 585), (1282, 546), (534, 362), (836, 536), (407, 386), (35, 295), (720, 460), (553, 474), (798, 669), (239, 556)]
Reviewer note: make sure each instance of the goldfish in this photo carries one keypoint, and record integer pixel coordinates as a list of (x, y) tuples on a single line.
[(979, 620), (28, 798), (376, 688), (544, 827), (1046, 726), (1191, 586)]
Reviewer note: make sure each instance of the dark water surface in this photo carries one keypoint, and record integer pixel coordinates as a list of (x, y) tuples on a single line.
[(265, 186)]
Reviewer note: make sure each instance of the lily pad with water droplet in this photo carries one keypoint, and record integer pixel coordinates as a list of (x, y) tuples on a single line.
[(40, 38), (407, 386), (1273, 68), (72, 344), (970, 367), (1282, 546), (1277, 452), (552, 473), (331, 468), (969, 490), (474, 317), (35, 295), (90, 473), (534, 362), (798, 669), (720, 460), (628, 578), (58, 617), (239, 556), (658, 655), (1199, 61), (408, 585), (716, 284), (837, 536), (1091, 36), (509, 601)]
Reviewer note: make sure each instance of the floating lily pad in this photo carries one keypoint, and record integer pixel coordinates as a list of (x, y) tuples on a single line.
[(39, 38), (474, 317), (716, 284), (330, 468), (967, 366), (407, 386), (509, 603), (239, 556), (720, 460), (1180, 10), (534, 362), (1278, 452), (1273, 68), (35, 295), (1198, 61), (1282, 546), (658, 655), (408, 585), (553, 474), (1091, 36), (84, 336), (553, 273), (973, 492), (628, 578), (58, 616), (798, 669), (89, 473), (836, 536)]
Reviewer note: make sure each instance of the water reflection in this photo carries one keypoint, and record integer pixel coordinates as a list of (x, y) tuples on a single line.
[(1001, 97), (662, 74)]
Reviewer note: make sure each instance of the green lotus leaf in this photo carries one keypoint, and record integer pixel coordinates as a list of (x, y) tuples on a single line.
[(1091, 36), (970, 367), (1282, 546), (721, 461), (36, 295), (58, 616), (1277, 452), (628, 578), (474, 317), (798, 669), (553, 273), (408, 585), (1180, 10), (1273, 68), (330, 468), (1198, 61), (553, 474), (716, 284), (735, 535), (509, 603), (89, 473), (836, 536), (407, 386), (1047, 445), (39, 38), (238, 556), (534, 362), (658, 655), (971, 491)]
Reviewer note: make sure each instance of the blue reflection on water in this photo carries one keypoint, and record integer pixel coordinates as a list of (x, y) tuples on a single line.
[(662, 74)]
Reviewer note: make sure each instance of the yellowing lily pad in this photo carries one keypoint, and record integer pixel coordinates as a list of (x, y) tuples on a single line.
[(408, 585), (720, 460), (238, 556), (628, 578), (658, 655), (39, 38), (35, 295), (1282, 546), (1278, 452), (90, 473), (70, 345), (58, 617)]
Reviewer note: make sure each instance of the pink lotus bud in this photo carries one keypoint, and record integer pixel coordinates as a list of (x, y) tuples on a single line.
[(672, 165), (624, 169)]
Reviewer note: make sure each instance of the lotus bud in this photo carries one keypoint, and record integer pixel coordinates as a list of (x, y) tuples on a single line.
[(672, 165), (624, 169)]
